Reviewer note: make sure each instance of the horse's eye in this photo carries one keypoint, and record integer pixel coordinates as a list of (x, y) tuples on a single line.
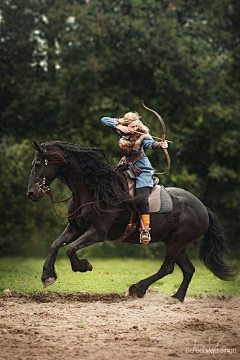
[(37, 163)]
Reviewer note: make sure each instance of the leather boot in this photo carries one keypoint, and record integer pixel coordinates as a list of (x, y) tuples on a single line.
[(145, 237)]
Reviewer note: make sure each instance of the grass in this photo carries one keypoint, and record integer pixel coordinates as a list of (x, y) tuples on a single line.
[(108, 276)]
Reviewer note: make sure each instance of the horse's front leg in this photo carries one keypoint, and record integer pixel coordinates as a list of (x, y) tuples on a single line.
[(90, 237), (49, 275)]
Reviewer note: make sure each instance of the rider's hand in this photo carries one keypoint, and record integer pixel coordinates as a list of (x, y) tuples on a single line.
[(160, 145), (122, 128), (164, 144)]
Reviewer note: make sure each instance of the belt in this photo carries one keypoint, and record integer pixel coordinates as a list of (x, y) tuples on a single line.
[(134, 159)]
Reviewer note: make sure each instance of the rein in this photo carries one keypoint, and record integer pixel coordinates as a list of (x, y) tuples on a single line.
[(46, 189)]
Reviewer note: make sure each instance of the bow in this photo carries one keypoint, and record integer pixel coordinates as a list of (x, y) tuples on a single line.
[(163, 138)]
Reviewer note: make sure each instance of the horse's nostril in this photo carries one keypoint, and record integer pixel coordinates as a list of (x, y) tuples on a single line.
[(29, 193)]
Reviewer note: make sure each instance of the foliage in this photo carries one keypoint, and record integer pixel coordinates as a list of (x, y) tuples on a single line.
[(67, 64)]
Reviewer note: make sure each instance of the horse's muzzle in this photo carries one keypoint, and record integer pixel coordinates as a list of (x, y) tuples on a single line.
[(31, 195), (34, 195)]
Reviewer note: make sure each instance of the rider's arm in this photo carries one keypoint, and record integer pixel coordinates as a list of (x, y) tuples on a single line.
[(110, 123), (151, 144), (148, 142), (114, 125)]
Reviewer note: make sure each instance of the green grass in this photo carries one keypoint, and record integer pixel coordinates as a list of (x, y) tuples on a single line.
[(108, 276)]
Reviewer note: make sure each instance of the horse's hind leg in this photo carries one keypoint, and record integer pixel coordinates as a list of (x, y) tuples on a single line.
[(188, 270), (139, 289), (49, 274)]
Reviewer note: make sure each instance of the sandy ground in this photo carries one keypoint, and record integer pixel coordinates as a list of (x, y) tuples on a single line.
[(84, 327)]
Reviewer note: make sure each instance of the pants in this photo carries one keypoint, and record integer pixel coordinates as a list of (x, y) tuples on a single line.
[(143, 193)]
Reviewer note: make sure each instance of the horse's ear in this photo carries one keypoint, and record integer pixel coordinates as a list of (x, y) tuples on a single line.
[(36, 146)]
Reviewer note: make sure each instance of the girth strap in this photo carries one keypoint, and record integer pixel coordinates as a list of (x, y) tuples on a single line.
[(130, 228)]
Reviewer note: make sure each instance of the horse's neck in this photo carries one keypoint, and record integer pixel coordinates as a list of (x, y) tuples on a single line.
[(77, 186)]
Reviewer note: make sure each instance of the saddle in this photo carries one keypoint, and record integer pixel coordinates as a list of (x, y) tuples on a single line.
[(160, 200)]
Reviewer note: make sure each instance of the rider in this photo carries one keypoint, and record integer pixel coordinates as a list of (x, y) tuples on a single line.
[(133, 136)]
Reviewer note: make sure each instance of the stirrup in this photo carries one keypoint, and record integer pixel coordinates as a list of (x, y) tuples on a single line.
[(145, 237)]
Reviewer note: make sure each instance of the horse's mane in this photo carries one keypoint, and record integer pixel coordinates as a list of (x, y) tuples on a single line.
[(108, 186)]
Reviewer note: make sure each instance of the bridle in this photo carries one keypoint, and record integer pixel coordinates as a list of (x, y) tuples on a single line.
[(42, 186), (46, 190)]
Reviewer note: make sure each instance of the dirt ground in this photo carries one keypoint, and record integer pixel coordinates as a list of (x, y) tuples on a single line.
[(86, 327)]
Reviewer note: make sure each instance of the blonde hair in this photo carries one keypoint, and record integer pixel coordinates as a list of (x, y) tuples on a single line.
[(129, 117)]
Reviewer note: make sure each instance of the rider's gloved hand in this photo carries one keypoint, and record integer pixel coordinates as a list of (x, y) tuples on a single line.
[(160, 145), (122, 128)]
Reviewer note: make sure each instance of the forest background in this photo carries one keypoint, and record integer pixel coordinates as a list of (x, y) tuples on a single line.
[(66, 64)]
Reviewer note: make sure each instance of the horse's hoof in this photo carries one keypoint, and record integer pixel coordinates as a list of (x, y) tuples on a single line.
[(135, 291), (81, 265), (126, 293), (178, 298), (48, 282)]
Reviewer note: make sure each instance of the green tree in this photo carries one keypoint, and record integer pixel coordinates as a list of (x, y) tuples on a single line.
[(74, 62)]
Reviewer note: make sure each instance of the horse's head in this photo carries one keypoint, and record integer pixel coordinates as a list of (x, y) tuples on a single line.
[(45, 168)]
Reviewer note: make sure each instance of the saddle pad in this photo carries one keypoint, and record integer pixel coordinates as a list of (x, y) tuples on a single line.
[(166, 201), (160, 200)]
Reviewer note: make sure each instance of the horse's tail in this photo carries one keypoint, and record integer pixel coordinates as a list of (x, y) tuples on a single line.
[(212, 249)]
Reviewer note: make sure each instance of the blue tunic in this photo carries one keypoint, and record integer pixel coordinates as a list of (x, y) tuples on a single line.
[(146, 176)]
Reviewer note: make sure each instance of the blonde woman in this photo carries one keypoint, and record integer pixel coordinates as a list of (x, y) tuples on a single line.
[(133, 136)]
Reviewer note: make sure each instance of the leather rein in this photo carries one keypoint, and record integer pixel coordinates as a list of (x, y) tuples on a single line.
[(46, 190)]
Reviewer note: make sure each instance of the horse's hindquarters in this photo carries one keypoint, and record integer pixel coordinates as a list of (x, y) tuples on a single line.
[(193, 219)]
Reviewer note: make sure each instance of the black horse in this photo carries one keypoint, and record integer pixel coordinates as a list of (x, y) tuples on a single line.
[(99, 210)]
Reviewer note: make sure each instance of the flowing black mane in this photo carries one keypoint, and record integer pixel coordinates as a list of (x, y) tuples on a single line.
[(108, 186)]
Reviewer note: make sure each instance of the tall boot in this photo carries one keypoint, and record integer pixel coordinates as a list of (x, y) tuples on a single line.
[(145, 237)]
